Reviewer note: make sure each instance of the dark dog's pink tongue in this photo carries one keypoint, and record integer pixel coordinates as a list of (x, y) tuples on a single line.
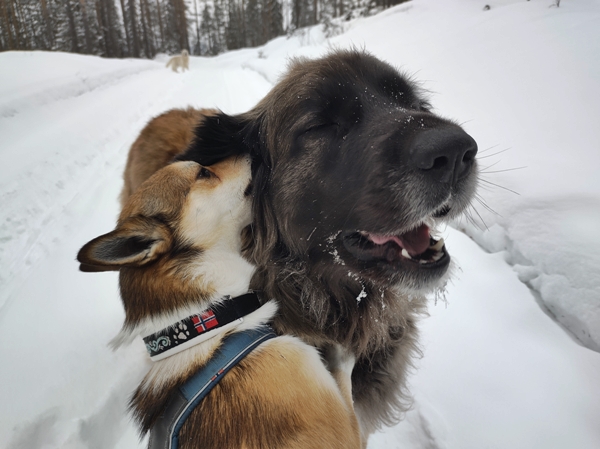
[(415, 241)]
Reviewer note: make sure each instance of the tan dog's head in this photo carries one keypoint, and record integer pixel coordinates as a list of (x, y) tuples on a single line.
[(184, 207), (178, 240)]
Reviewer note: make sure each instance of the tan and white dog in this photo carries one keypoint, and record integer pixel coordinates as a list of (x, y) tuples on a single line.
[(180, 61), (177, 245), (164, 137)]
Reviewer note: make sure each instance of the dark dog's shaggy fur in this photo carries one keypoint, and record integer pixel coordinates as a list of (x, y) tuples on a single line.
[(351, 173)]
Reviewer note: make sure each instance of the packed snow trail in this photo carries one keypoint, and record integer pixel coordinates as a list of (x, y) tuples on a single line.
[(63, 146), (59, 192)]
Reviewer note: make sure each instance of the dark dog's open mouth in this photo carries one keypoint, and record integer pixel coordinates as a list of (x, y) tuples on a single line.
[(415, 247)]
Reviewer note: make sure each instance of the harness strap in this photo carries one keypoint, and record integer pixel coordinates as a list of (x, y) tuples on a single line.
[(165, 433)]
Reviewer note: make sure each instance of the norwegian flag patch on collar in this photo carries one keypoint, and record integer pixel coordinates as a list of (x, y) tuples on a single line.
[(205, 321), (199, 327)]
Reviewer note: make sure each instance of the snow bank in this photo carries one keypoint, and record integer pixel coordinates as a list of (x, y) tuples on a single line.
[(497, 372), (32, 79)]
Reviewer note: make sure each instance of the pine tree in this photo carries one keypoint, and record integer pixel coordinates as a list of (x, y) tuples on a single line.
[(235, 33), (72, 30), (86, 27), (129, 51), (253, 23), (181, 28), (109, 25), (219, 45), (206, 27), (272, 20), (144, 27), (160, 25), (133, 27), (196, 50)]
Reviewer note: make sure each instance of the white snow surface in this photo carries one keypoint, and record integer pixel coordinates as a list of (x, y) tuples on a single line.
[(510, 358)]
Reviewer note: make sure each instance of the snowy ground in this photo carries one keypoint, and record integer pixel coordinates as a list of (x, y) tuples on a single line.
[(498, 370)]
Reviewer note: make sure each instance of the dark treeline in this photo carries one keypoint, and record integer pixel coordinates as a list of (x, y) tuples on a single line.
[(143, 28)]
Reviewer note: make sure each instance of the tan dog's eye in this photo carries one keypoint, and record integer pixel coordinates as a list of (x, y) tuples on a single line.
[(204, 173)]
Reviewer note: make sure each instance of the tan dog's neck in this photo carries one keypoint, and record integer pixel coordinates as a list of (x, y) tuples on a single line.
[(167, 291)]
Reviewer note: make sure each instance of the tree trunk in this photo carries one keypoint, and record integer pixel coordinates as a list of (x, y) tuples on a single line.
[(48, 24), (144, 30), (112, 23), (102, 19), (182, 24), (17, 26), (134, 32), (160, 25), (198, 27), (127, 37), (86, 28), (72, 28), (6, 29), (150, 25), (30, 19), (6, 32)]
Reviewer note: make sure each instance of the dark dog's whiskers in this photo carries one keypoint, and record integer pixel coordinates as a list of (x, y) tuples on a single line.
[(498, 186), (481, 201), (490, 155), (502, 171), (484, 184), (467, 213), (481, 170)]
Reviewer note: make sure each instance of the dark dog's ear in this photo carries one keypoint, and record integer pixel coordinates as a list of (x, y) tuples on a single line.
[(85, 268), (216, 138), (134, 243)]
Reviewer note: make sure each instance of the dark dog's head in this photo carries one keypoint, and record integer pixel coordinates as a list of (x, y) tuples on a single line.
[(351, 169)]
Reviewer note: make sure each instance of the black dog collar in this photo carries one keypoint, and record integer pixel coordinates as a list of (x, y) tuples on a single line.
[(200, 327)]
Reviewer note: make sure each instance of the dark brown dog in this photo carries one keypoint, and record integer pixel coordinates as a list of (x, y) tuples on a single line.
[(352, 172)]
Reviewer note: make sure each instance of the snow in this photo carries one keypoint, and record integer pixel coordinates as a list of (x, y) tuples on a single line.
[(509, 358)]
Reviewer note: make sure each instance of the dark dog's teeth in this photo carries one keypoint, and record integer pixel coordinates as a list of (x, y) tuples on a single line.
[(437, 256), (438, 246), (391, 251)]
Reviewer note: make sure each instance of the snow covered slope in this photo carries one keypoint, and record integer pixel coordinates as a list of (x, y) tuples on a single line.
[(497, 371)]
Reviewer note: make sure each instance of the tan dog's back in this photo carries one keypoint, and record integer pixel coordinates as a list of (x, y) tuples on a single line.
[(280, 397), (163, 138)]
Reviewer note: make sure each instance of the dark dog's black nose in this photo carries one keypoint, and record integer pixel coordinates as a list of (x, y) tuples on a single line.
[(444, 154)]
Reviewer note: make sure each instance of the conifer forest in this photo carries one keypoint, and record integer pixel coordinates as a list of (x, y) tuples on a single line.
[(144, 28)]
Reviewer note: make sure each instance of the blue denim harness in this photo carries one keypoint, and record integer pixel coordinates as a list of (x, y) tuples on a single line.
[(165, 433)]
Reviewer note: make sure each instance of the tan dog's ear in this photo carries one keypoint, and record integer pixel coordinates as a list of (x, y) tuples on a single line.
[(134, 243)]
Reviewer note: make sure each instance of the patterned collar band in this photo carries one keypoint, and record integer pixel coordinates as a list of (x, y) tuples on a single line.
[(200, 327)]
